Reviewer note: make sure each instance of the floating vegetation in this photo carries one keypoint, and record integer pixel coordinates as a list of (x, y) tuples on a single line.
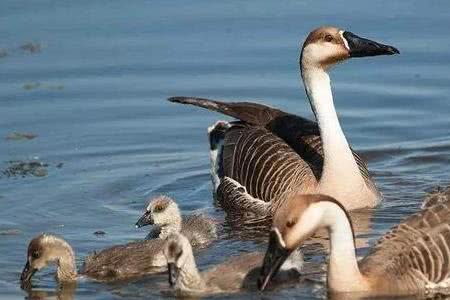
[(18, 136), (31, 85), (23, 168), (9, 231), (26, 168), (31, 47), (35, 85)]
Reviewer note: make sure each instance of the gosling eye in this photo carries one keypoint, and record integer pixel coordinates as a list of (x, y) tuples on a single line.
[(35, 254), (158, 209), (328, 38), (291, 223)]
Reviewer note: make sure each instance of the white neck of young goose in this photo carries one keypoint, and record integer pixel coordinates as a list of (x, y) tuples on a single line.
[(189, 278), (65, 260), (343, 271), (340, 171)]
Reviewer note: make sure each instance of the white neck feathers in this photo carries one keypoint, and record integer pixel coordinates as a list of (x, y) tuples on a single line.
[(340, 174), (343, 270), (189, 278)]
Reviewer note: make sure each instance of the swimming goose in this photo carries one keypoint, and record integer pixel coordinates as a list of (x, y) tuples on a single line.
[(269, 154), (238, 272), (163, 212), (114, 263), (412, 258)]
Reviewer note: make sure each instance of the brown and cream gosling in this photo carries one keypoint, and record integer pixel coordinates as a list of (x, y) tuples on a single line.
[(163, 213), (235, 274), (115, 263), (412, 258)]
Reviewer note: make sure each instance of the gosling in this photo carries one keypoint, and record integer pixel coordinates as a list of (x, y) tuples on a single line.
[(163, 213), (235, 274), (115, 263)]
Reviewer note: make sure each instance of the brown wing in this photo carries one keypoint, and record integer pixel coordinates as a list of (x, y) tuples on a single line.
[(417, 249), (263, 163), (299, 134), (126, 261)]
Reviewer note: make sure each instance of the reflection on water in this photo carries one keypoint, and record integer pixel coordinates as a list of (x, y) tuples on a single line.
[(88, 80)]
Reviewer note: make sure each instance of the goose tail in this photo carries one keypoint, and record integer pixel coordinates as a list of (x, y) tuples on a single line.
[(252, 113)]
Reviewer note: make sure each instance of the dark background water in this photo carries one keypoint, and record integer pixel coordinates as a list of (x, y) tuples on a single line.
[(95, 92)]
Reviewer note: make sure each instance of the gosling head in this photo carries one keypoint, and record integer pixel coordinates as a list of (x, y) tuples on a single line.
[(327, 46), (178, 253), (161, 210), (293, 223), (42, 251)]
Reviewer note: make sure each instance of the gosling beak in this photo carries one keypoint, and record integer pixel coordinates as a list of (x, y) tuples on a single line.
[(275, 256), (360, 47), (173, 273), (145, 220), (27, 273)]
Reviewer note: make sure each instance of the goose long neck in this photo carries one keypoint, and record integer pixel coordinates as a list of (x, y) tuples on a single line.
[(189, 278), (343, 271), (339, 163)]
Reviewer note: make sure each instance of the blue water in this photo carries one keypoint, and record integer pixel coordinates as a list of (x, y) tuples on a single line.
[(95, 92)]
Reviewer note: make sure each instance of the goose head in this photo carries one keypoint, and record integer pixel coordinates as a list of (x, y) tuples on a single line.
[(293, 223), (178, 253), (327, 46), (43, 250), (161, 211)]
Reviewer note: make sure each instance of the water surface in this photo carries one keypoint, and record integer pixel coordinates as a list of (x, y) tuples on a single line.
[(92, 84)]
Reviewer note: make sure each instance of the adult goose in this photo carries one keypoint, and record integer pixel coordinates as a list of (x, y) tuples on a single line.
[(412, 258), (269, 154)]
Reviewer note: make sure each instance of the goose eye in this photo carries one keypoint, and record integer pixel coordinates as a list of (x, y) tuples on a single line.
[(35, 254), (328, 38), (290, 223), (159, 209)]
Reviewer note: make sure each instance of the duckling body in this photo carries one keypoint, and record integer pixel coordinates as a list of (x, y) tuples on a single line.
[(125, 261), (115, 263), (412, 258), (235, 274), (163, 213)]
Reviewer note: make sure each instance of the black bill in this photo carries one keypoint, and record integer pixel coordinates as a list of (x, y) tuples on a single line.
[(173, 273), (27, 273), (275, 256), (360, 47), (145, 220)]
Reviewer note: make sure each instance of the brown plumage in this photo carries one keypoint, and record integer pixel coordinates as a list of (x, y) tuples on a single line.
[(438, 195), (125, 261)]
